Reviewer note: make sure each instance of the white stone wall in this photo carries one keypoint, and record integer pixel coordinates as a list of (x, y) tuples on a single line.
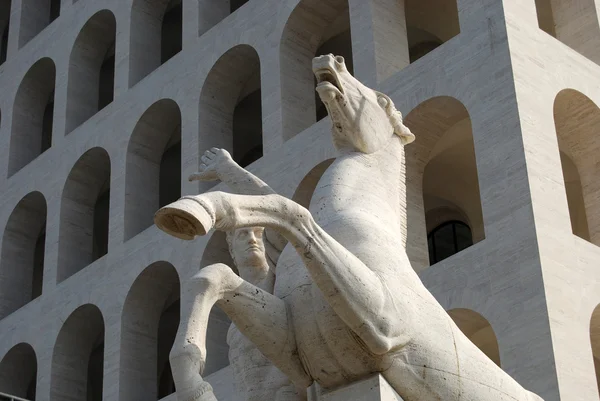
[(535, 282)]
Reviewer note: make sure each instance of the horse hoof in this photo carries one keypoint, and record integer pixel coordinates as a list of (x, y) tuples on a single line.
[(184, 218)]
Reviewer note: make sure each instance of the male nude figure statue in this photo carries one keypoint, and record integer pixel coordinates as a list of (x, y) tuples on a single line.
[(255, 257)]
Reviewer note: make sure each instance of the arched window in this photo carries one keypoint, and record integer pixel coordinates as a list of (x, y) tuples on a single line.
[(577, 120), (84, 213), (35, 16), (172, 30), (77, 370), (448, 239), (156, 35), (336, 40), (22, 254), (429, 24), (573, 22), (306, 189), (154, 159), (217, 357), (441, 172), (247, 129), (313, 28), (149, 324), (18, 372), (478, 330), (91, 69), (231, 104), (33, 112), (4, 25)]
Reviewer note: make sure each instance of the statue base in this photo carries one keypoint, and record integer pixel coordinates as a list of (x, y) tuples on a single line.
[(375, 388)]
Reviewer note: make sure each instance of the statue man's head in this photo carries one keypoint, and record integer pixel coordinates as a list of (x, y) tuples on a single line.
[(247, 249), (363, 119)]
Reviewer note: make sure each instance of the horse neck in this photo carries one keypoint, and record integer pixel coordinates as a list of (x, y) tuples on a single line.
[(379, 175)]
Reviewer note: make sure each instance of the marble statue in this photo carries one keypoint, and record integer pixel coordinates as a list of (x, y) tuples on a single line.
[(346, 302), (255, 255)]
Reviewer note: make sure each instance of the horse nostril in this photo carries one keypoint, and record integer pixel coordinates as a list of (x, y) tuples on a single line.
[(339, 59)]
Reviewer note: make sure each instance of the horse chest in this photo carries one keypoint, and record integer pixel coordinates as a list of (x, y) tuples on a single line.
[(329, 351)]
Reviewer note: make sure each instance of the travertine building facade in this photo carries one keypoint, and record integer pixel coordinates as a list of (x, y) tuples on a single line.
[(106, 107)]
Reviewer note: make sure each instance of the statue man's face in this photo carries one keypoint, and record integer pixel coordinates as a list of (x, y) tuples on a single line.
[(248, 248)]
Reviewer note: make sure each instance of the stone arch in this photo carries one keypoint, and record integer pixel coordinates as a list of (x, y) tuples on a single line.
[(153, 167), (595, 341), (77, 368), (313, 26), (156, 31), (91, 69), (479, 331), (83, 232), (33, 115), (305, 190), (577, 122), (429, 24), (22, 254), (35, 16), (217, 251), (230, 105), (441, 172), (573, 22), (217, 356), (4, 28), (211, 12), (18, 372), (149, 324)]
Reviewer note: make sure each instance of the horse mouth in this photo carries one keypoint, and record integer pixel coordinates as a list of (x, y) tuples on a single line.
[(328, 79)]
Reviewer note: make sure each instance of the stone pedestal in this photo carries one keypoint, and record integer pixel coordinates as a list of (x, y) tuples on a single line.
[(375, 388)]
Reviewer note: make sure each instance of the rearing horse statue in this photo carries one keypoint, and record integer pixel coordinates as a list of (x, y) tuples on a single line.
[(346, 302)]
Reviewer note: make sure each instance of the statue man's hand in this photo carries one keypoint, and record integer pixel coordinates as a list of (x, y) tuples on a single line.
[(214, 162)]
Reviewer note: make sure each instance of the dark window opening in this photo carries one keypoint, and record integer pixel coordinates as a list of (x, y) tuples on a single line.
[(170, 171), (421, 49), (4, 45), (167, 330), (545, 18), (96, 373), (235, 4), (253, 155), (54, 9), (447, 240), (172, 31), (107, 79), (31, 389), (340, 44), (47, 122), (38, 264), (247, 129), (101, 213)]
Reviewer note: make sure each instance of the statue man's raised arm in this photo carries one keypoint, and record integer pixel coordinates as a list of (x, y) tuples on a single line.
[(217, 164)]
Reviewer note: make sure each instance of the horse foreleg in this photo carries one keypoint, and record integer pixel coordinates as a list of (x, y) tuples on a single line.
[(260, 316), (355, 292)]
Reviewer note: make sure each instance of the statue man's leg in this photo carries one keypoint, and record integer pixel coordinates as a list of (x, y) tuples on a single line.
[(355, 292), (260, 316)]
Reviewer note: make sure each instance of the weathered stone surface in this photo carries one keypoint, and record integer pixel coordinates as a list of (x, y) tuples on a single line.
[(375, 388), (346, 301)]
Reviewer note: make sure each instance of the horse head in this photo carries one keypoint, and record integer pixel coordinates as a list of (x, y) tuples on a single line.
[(363, 120)]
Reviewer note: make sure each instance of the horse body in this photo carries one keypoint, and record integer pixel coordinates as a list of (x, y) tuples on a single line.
[(346, 302)]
